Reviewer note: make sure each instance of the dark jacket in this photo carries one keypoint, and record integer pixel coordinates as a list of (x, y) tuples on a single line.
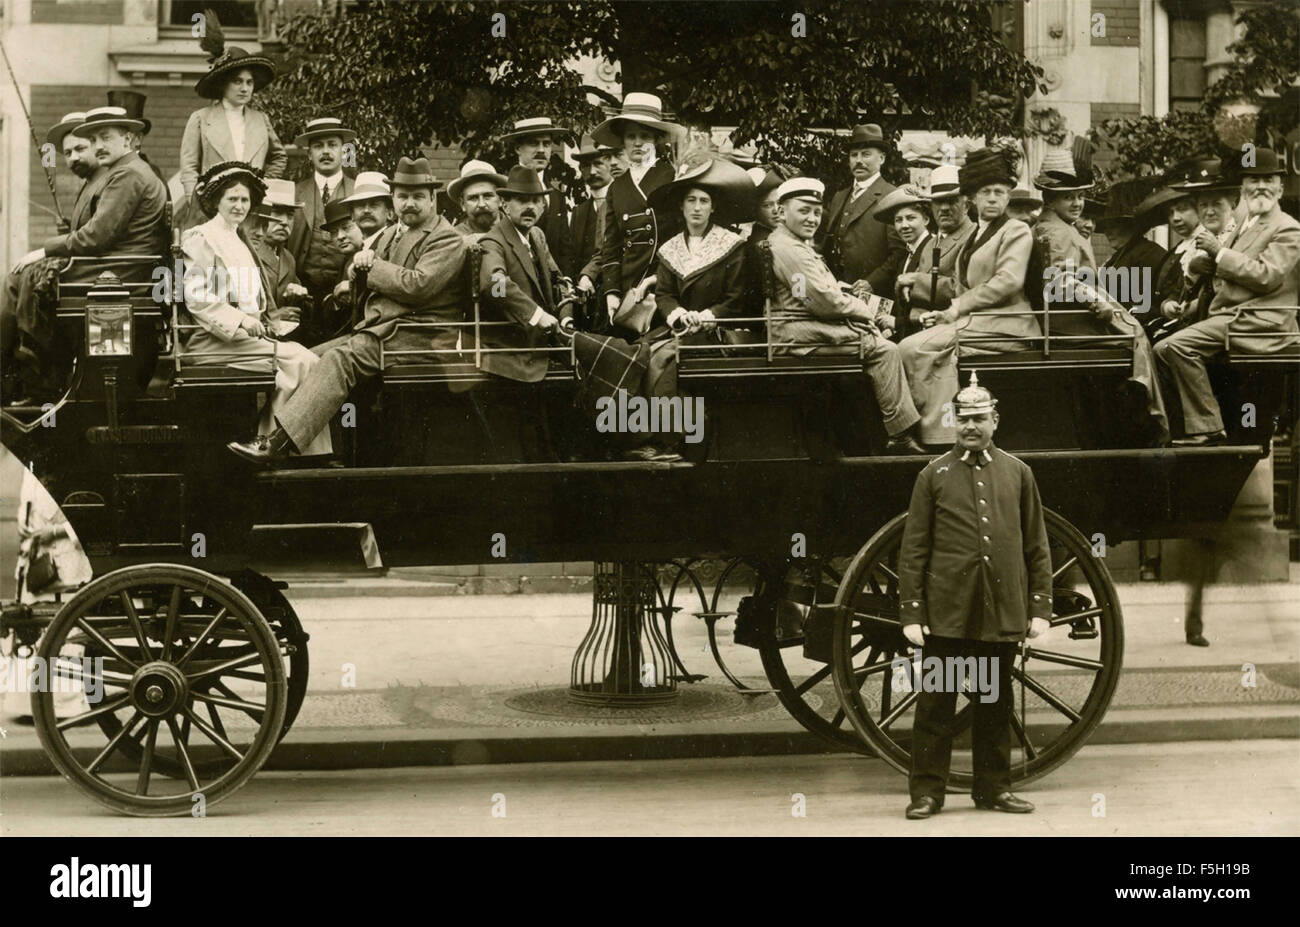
[(416, 277), (584, 247), (713, 278), (1141, 256), (975, 561), (320, 264), (554, 223), (633, 233), (513, 285), (859, 247)]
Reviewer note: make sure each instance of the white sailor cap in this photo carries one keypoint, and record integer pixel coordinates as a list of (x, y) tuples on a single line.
[(806, 188)]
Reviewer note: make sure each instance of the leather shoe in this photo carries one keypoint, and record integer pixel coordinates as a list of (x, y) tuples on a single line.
[(264, 449), (1197, 640), (1005, 801), (666, 456), (904, 444), (1201, 440), (920, 808), (645, 452)]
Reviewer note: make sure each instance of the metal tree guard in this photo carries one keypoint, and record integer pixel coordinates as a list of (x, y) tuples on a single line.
[(624, 658)]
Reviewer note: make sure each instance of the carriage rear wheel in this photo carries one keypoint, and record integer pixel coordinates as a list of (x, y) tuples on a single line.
[(191, 672), (1065, 685)]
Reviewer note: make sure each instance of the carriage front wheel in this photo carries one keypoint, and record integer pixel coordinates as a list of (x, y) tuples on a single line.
[(191, 673), (1065, 684)]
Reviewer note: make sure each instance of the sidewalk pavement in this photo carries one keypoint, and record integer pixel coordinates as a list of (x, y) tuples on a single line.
[(403, 674)]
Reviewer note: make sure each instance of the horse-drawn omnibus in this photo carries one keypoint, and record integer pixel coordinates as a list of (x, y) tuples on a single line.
[(202, 662)]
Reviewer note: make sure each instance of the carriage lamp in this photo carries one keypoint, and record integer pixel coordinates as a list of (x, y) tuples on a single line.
[(109, 326)]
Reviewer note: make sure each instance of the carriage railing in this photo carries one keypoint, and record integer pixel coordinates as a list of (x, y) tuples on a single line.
[(1046, 340)]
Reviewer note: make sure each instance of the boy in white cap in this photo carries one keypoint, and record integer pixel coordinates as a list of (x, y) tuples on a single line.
[(812, 314)]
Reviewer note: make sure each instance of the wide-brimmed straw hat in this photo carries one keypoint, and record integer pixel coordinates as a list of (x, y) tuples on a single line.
[(723, 179), (323, 127), (369, 185), (472, 171), (533, 127), (61, 128), (644, 109), (104, 116), (280, 194), (894, 200)]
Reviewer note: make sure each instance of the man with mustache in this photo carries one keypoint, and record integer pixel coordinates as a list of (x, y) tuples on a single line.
[(517, 282), (858, 247), (1253, 273), (275, 219), (124, 213), (587, 230), (476, 192), (320, 263), (535, 141), (926, 290), (413, 273), (372, 206)]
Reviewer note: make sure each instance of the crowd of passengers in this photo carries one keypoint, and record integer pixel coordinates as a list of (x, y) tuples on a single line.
[(319, 275)]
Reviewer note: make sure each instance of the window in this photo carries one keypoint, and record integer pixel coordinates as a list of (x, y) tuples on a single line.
[(235, 15)]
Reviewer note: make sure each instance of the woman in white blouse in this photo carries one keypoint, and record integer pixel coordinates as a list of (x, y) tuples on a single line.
[(228, 129), (226, 293)]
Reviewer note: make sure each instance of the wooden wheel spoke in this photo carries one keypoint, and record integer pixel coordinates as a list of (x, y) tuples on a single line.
[(1018, 726), (146, 758), (813, 680), (77, 673), (1065, 659), (112, 745), (216, 620), (1046, 694), (225, 666), (106, 643), (184, 755), (216, 720), (837, 721), (173, 613), (254, 677), (898, 712), (1070, 561), (254, 710), (893, 577), (136, 626), (212, 734), (88, 716)]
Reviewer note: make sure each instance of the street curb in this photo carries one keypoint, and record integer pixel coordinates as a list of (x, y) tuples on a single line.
[(319, 749)]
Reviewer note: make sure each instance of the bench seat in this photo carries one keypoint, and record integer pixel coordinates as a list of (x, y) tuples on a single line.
[(1095, 358)]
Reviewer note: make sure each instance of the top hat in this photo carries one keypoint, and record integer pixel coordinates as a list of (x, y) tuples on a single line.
[(323, 127), (61, 128), (336, 212), (369, 185), (1206, 176), (414, 172), (1267, 164), (804, 188), (868, 135), (280, 194), (723, 179), (530, 128), (973, 399), (643, 109), (906, 195), (103, 116), (1057, 173), (985, 166), (1025, 198), (523, 181), (133, 102), (945, 182), (471, 171)]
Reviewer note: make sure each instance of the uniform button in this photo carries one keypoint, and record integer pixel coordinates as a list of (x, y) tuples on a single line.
[(984, 518), (982, 502), (918, 604), (986, 537), (979, 483), (986, 556)]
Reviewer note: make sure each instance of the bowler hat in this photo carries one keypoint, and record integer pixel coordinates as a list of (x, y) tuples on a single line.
[(104, 116), (644, 109), (323, 127), (133, 102), (523, 181), (472, 171), (414, 172), (723, 179), (61, 128), (533, 127), (1267, 164), (868, 135), (336, 212), (906, 195)]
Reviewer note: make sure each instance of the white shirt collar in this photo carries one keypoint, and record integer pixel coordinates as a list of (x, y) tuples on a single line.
[(638, 172), (860, 185), (332, 182)]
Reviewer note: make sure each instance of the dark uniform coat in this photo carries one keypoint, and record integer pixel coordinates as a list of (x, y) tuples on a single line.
[(858, 246), (529, 284), (633, 233), (975, 561)]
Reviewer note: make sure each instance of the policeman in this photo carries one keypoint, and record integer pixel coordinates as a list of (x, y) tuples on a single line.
[(975, 574)]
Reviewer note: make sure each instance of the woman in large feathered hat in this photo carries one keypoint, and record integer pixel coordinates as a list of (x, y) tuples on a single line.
[(228, 128)]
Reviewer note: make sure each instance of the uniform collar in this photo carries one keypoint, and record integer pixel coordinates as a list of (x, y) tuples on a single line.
[(977, 458)]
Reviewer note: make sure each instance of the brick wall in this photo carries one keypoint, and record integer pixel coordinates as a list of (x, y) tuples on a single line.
[(80, 12), (1121, 22), (1100, 112)]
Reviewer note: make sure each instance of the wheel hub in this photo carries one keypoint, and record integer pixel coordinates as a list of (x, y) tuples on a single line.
[(158, 689)]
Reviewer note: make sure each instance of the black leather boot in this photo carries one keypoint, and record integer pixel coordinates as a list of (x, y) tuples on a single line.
[(264, 449)]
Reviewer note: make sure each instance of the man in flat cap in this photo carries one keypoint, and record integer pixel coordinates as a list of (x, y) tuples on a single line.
[(858, 247), (975, 579), (320, 264), (812, 313), (535, 141), (413, 273)]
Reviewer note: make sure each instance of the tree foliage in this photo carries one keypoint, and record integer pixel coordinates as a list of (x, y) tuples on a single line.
[(408, 73), (1266, 62)]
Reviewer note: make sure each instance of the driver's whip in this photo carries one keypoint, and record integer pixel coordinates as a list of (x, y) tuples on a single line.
[(64, 225)]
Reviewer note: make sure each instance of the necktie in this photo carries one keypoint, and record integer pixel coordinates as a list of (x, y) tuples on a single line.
[(324, 193)]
